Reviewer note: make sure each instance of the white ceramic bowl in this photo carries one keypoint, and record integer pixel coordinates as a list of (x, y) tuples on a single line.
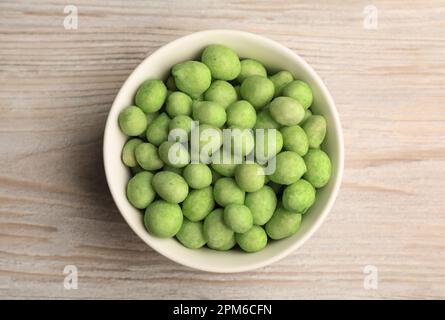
[(275, 57)]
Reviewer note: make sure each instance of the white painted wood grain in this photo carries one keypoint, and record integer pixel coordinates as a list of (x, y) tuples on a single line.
[(57, 85)]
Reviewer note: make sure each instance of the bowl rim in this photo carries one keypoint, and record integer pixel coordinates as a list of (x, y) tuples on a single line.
[(338, 132)]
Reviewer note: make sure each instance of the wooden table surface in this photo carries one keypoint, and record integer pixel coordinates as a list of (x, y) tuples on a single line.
[(57, 85)]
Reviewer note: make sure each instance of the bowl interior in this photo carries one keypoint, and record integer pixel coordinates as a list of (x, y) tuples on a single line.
[(275, 57)]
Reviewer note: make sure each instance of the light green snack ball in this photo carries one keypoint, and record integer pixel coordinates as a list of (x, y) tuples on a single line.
[(265, 121), (226, 192), (280, 80), (286, 111), (315, 128), (299, 196), (257, 90), (191, 234), (210, 112), (242, 141), (170, 83), (151, 95), (198, 175), (262, 204), (210, 140), (289, 168), (221, 92), (241, 114), (173, 169), (170, 186), (253, 240), (250, 67), (223, 62), (307, 114), (132, 121), (140, 193), (300, 91), (268, 143), (180, 128), (249, 176), (157, 130), (319, 167), (295, 139), (192, 77), (225, 163), (174, 154), (147, 156), (283, 224), (198, 204), (163, 219), (238, 218), (128, 157), (179, 104), (217, 234)]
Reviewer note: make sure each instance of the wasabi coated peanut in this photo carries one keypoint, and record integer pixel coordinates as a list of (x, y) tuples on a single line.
[(262, 204), (241, 114), (225, 163), (283, 224), (198, 175), (157, 131), (253, 240), (295, 139), (210, 112), (257, 90), (226, 192), (147, 156), (174, 154), (222, 92), (198, 204), (128, 157), (250, 67), (132, 121), (139, 190), (299, 196), (192, 77), (191, 234), (300, 91), (178, 103), (286, 111), (289, 168), (265, 149), (223, 62), (184, 125), (265, 121), (151, 95), (170, 186), (318, 167), (217, 234), (249, 176), (163, 219), (315, 128), (280, 80), (238, 218), (242, 141)]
